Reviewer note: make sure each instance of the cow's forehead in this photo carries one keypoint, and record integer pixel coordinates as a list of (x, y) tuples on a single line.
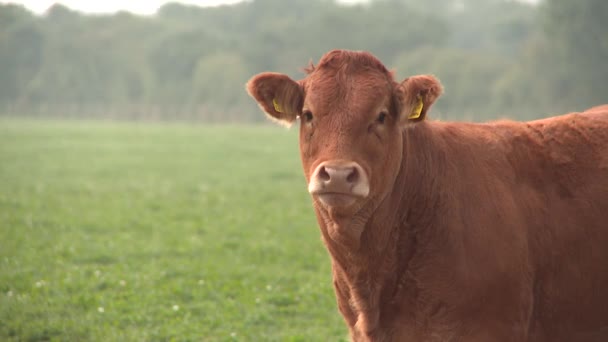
[(346, 70), (344, 87), (348, 61)]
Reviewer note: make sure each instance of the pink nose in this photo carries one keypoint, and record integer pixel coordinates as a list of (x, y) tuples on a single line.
[(339, 177)]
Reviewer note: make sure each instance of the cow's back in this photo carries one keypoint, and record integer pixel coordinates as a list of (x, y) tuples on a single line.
[(558, 174), (528, 203), (570, 243)]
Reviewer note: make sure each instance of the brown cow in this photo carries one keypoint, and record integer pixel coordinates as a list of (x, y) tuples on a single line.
[(444, 231)]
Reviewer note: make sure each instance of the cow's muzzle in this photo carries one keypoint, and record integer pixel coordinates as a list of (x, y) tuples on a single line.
[(338, 183)]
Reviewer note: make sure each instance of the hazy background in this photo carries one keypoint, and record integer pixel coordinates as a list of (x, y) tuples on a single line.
[(496, 58), (122, 221)]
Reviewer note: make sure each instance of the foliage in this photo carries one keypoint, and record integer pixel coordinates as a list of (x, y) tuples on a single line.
[(495, 57), (579, 47)]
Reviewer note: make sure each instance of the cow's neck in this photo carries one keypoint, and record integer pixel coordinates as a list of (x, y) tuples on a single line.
[(370, 251)]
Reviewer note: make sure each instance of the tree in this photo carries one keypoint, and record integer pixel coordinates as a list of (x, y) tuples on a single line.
[(188, 61), (21, 54), (577, 35)]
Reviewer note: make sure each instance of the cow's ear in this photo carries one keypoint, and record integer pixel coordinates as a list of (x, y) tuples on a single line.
[(416, 95), (278, 95)]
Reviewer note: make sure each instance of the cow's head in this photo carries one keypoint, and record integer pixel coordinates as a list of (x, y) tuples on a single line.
[(352, 113)]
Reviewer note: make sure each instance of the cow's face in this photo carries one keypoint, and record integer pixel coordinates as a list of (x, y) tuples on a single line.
[(352, 114)]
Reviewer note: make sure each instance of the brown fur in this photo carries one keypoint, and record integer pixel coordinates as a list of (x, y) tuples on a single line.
[(471, 232)]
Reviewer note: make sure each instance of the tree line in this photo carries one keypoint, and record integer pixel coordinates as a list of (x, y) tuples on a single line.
[(496, 58)]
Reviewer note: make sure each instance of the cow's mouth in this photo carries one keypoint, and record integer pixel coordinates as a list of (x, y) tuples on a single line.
[(336, 199)]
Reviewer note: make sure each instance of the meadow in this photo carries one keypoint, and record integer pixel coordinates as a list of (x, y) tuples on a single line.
[(114, 231)]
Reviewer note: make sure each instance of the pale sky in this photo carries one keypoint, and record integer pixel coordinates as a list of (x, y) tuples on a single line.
[(110, 6)]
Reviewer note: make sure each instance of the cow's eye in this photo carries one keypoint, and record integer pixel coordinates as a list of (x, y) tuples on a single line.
[(382, 117), (307, 115)]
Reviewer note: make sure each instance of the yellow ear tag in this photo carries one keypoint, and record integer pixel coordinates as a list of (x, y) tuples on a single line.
[(417, 110), (277, 107)]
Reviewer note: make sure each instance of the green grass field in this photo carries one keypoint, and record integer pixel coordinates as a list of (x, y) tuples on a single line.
[(149, 232)]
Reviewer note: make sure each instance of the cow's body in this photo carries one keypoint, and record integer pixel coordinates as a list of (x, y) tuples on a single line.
[(480, 232), (507, 241)]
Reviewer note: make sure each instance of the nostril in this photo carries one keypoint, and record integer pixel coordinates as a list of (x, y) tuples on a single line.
[(340, 177), (323, 175), (353, 176)]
